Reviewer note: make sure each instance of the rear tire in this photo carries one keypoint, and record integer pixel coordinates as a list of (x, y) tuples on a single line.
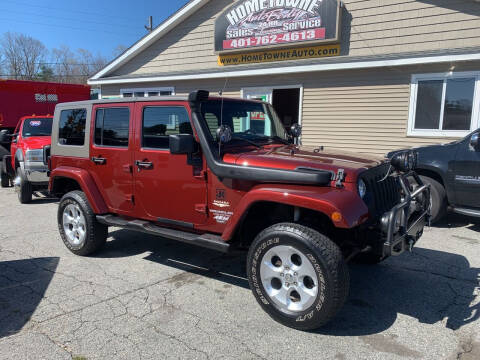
[(438, 198), (5, 179), (81, 233), (24, 188), (297, 275)]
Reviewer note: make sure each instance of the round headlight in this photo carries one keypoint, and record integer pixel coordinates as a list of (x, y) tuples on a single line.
[(362, 188), (404, 161)]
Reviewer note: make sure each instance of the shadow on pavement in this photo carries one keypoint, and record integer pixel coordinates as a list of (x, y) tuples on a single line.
[(428, 285), (22, 286), (457, 221)]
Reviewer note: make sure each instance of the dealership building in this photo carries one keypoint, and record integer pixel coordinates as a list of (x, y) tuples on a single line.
[(367, 76)]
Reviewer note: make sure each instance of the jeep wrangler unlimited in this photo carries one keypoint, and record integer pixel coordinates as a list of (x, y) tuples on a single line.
[(223, 174), (25, 167)]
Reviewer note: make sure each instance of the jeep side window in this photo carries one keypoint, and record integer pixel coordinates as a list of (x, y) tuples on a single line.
[(72, 127), (112, 127), (159, 122)]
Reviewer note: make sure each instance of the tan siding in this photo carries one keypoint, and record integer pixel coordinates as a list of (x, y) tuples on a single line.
[(371, 27)]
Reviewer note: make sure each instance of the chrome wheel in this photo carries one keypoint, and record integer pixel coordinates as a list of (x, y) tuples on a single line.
[(289, 279), (74, 225)]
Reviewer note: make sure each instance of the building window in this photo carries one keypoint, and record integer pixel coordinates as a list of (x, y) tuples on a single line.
[(112, 127), (72, 127), (140, 92), (444, 104)]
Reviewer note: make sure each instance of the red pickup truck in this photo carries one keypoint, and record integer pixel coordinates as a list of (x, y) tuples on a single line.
[(24, 167), (23, 135)]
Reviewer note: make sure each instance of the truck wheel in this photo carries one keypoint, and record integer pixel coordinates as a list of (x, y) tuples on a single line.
[(438, 198), (5, 180), (81, 233), (297, 275), (23, 187)]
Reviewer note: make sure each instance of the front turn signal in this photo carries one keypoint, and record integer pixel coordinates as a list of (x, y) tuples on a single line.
[(337, 217)]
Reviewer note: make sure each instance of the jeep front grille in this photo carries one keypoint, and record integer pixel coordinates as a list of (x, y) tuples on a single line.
[(383, 192)]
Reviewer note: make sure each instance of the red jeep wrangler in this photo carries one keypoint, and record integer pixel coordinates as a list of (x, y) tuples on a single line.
[(25, 166), (224, 174)]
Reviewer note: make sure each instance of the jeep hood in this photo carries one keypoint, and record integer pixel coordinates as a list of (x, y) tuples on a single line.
[(292, 157), (36, 142)]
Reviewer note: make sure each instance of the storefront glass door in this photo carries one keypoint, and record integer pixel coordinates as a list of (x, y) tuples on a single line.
[(256, 122)]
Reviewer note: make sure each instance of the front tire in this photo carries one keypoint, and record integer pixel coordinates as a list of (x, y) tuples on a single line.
[(23, 187), (297, 275), (81, 233), (438, 198)]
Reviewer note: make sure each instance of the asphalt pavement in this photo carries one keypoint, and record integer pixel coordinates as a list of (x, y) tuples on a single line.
[(144, 297)]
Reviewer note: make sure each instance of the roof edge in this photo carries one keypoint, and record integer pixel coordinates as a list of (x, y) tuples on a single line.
[(295, 69), (148, 39)]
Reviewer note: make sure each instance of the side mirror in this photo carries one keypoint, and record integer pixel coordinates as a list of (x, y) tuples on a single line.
[(224, 134), (4, 136), (182, 144), (475, 141), (296, 130)]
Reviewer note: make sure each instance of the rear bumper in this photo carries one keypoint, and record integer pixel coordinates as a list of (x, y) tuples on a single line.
[(402, 226)]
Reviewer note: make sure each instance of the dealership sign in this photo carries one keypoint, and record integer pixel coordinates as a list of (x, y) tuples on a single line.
[(254, 24)]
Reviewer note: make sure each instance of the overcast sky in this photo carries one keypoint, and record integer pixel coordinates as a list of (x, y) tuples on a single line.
[(99, 26)]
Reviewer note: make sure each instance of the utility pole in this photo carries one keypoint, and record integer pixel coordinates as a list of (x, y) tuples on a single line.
[(150, 24)]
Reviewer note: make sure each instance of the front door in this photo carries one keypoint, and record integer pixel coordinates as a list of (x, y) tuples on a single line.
[(168, 188), (255, 122), (467, 176), (111, 155)]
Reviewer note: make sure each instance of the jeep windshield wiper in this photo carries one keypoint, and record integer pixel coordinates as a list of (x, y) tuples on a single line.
[(246, 140), (279, 139)]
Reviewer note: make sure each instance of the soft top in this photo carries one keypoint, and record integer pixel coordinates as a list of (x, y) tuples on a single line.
[(124, 100), (146, 99)]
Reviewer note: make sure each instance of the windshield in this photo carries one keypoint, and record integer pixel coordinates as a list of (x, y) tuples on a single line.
[(248, 120), (37, 127)]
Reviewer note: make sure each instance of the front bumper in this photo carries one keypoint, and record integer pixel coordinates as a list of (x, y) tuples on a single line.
[(402, 226), (36, 172)]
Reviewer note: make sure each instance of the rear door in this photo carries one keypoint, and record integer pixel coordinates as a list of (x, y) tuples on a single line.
[(169, 188), (467, 176), (111, 155)]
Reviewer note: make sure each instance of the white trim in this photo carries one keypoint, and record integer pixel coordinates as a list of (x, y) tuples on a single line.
[(147, 90), (161, 30), (475, 120), (293, 69)]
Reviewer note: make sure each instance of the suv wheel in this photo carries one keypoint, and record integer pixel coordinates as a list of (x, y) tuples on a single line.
[(438, 198), (297, 275), (5, 179), (81, 233), (23, 187)]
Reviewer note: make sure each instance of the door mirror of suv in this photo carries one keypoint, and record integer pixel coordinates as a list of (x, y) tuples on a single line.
[(182, 144), (475, 141), (224, 134)]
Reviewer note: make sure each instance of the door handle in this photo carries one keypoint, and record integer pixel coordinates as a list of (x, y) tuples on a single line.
[(143, 165), (99, 161)]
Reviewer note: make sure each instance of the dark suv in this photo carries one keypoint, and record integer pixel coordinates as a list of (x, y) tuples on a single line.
[(453, 171), (194, 169)]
